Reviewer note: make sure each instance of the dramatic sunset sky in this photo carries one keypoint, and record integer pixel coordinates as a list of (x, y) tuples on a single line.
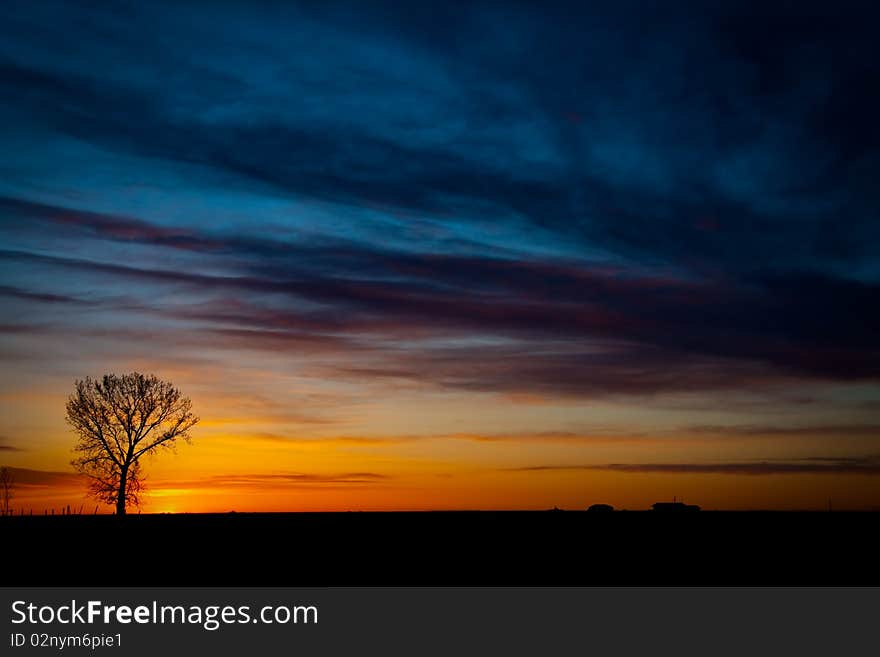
[(435, 256)]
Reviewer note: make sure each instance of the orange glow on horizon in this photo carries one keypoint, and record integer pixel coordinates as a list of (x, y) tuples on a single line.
[(481, 491), (450, 453)]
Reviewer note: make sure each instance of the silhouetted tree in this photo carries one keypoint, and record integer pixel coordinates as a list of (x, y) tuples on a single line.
[(117, 420), (7, 490)]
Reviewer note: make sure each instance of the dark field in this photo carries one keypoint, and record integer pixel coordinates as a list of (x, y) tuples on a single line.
[(444, 548)]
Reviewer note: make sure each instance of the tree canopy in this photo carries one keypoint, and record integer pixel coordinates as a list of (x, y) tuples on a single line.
[(119, 419)]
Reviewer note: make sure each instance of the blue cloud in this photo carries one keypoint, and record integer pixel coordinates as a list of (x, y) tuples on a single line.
[(696, 183)]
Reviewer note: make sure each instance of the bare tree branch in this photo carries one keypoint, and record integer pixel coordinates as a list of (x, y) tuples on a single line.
[(7, 491)]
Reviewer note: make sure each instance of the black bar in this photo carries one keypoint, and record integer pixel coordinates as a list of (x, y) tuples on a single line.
[(447, 549)]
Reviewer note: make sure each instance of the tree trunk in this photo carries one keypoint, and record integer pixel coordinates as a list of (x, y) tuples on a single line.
[(120, 500)]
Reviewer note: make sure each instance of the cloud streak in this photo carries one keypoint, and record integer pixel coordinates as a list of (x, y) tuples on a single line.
[(30, 478), (647, 333), (867, 465), (264, 481)]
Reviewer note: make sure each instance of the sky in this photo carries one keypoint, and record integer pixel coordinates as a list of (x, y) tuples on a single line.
[(449, 255)]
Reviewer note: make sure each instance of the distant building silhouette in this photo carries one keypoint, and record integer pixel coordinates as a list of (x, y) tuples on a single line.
[(600, 507), (674, 506)]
